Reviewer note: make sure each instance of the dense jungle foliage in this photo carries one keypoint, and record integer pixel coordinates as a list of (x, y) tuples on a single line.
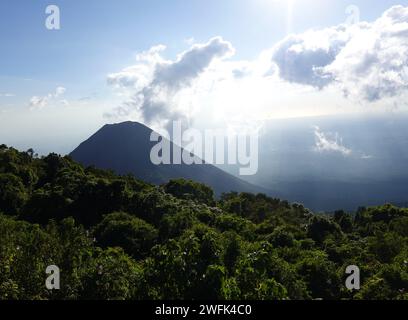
[(114, 237)]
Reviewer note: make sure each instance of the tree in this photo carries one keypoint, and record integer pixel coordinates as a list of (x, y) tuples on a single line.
[(134, 235), (12, 193), (190, 190), (111, 276), (282, 238), (386, 246), (344, 220), (320, 276), (232, 252), (271, 290), (114, 237), (212, 284), (321, 227)]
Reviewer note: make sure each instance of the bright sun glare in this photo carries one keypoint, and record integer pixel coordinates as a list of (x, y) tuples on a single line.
[(290, 7), (286, 7)]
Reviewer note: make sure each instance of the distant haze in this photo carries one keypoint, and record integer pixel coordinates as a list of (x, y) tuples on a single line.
[(335, 162)]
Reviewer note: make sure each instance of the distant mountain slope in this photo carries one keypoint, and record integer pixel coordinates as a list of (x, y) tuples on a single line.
[(125, 148), (372, 171)]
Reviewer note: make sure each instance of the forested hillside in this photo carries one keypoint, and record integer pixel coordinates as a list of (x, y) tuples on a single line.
[(114, 237)]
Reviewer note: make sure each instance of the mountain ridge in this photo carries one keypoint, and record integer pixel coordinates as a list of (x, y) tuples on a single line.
[(125, 148)]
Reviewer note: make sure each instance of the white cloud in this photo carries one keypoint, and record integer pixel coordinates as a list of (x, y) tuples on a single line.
[(154, 84), (59, 91), (7, 95), (366, 157), (202, 87), (190, 41), (301, 58), (366, 61), (64, 102), (39, 102), (318, 72), (329, 142)]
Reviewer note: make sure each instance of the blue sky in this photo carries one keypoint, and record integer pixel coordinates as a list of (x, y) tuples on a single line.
[(101, 37), (98, 36)]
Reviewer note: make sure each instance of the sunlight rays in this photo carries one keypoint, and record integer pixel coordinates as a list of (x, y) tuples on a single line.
[(289, 21)]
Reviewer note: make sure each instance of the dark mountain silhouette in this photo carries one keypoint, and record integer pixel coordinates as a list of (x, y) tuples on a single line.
[(125, 148)]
